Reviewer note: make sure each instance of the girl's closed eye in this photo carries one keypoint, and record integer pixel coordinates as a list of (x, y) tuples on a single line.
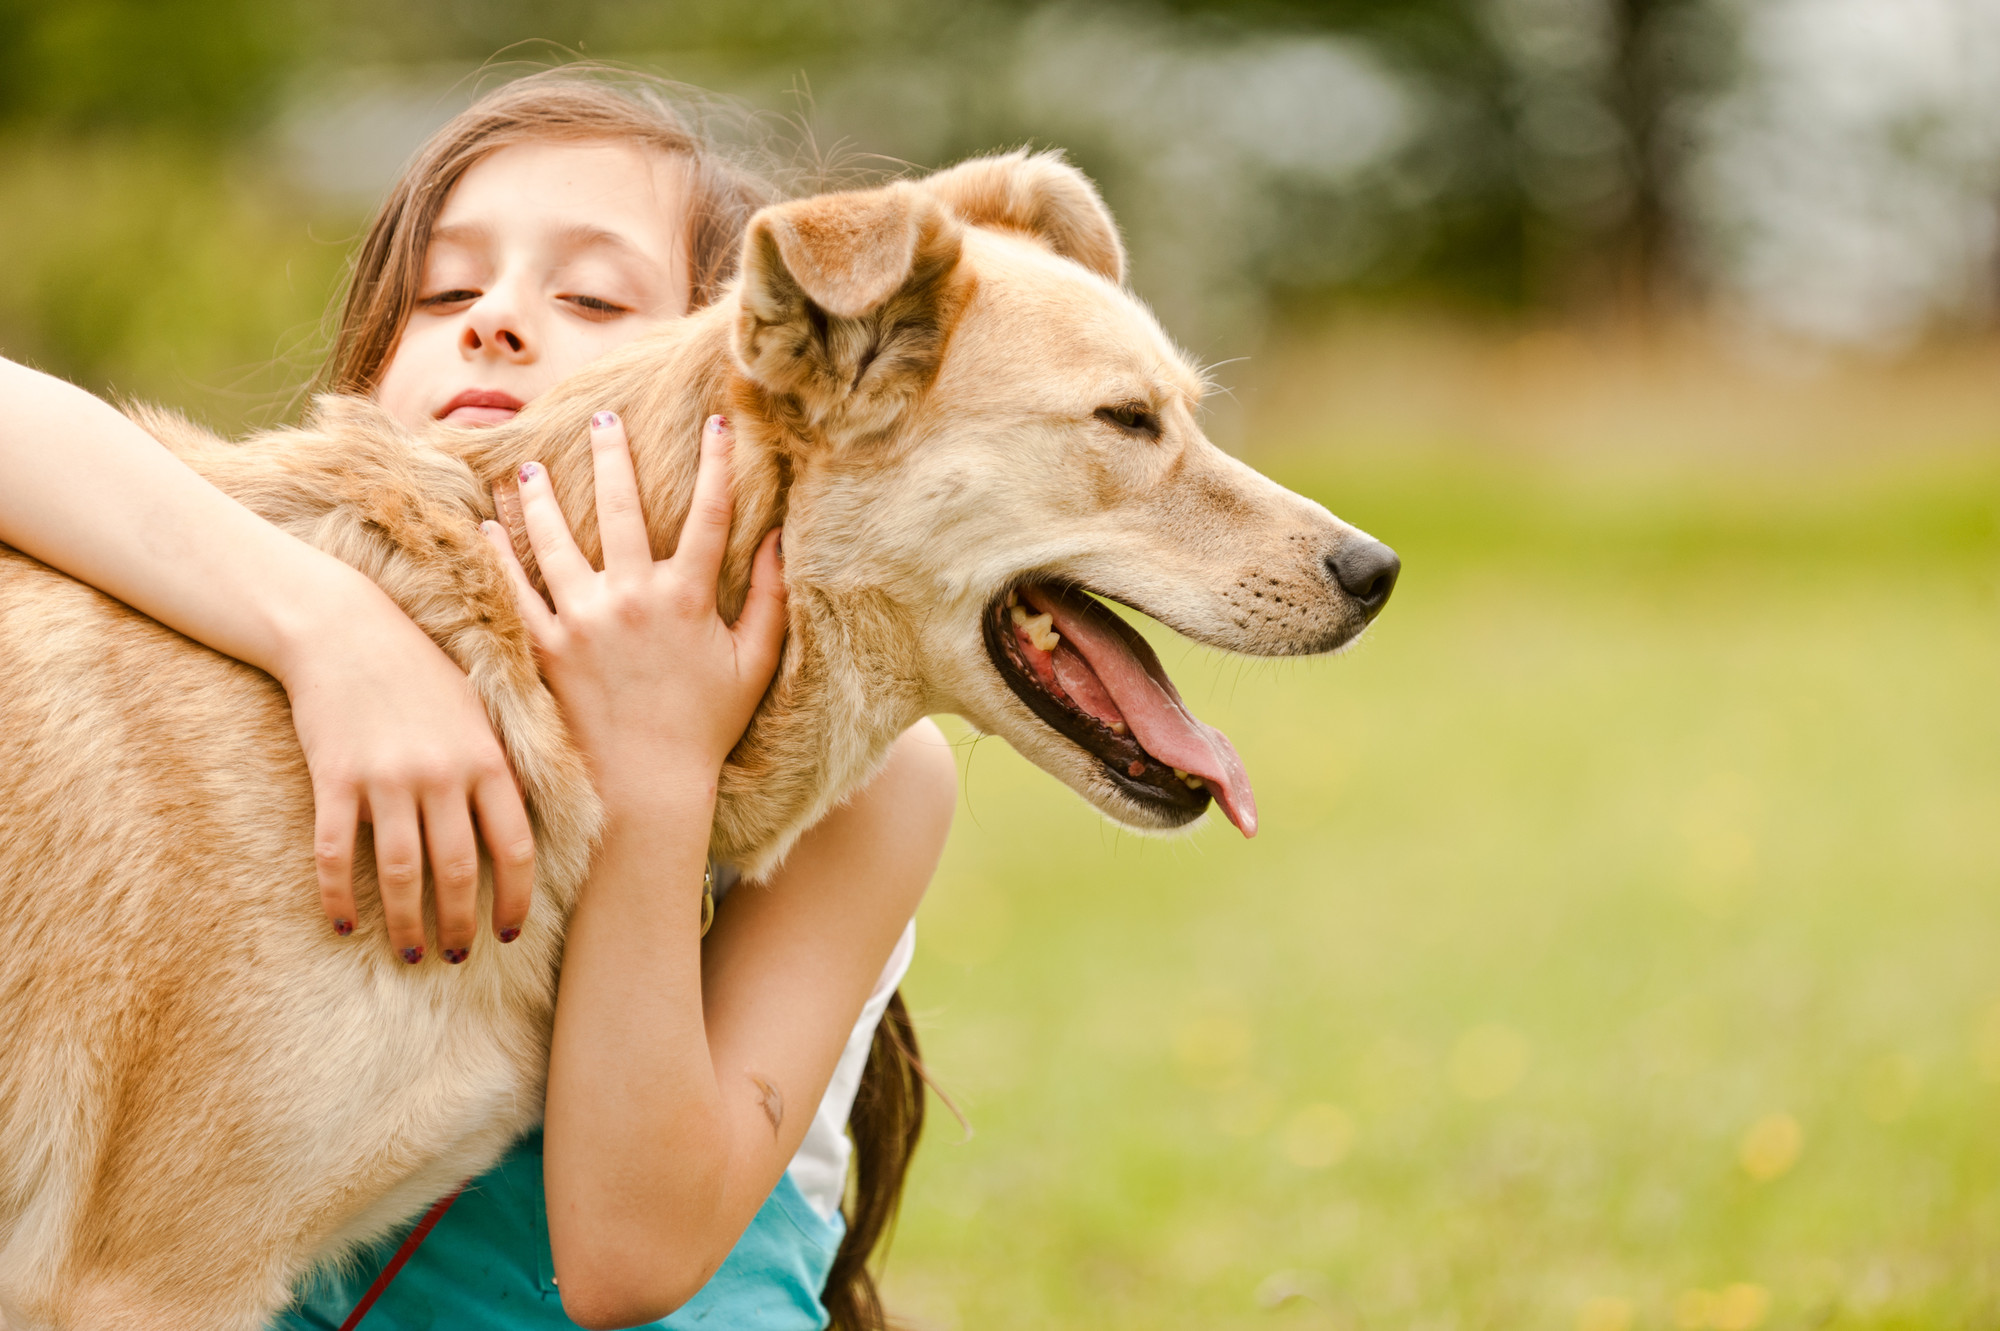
[(595, 307), (445, 299)]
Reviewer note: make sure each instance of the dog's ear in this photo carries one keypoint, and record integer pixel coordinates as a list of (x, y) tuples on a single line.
[(1042, 195), (846, 300)]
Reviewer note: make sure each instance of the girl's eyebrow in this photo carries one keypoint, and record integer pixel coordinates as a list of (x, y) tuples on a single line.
[(578, 236), (571, 236), (460, 233)]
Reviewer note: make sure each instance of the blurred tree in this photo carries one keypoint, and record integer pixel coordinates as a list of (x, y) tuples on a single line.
[(1531, 152), (211, 67), (1551, 167), (148, 253), (1667, 57), (1462, 218)]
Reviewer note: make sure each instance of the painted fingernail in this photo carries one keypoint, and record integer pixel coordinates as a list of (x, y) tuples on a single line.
[(343, 927), (413, 955), (454, 955), (509, 935), (490, 527), (528, 470), (604, 420), (717, 424)]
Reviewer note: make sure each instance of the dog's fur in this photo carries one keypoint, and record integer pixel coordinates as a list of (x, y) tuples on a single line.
[(203, 1092)]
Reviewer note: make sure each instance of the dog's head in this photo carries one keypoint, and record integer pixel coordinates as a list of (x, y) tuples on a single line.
[(987, 433)]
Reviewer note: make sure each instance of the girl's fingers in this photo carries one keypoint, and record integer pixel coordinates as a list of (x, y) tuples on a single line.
[(336, 812), (399, 869), (760, 629), (620, 524), (533, 608), (705, 535), (454, 855), (503, 825), (563, 565)]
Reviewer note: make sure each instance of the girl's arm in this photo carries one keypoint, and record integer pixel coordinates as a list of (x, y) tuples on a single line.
[(393, 732), (682, 1078)]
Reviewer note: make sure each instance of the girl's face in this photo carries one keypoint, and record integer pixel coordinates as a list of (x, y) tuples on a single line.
[(546, 256)]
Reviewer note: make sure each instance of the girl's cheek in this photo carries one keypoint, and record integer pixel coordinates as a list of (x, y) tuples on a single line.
[(413, 378)]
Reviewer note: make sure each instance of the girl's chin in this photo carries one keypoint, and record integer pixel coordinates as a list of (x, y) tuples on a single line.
[(479, 415)]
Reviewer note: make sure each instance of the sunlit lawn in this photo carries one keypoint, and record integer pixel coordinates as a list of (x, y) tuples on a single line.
[(1622, 948)]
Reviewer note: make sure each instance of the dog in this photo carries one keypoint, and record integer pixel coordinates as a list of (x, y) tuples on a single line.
[(966, 427)]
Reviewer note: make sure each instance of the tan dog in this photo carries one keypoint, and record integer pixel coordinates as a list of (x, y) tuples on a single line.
[(962, 422)]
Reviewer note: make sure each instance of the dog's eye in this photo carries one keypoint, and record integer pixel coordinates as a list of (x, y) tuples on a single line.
[(1132, 418)]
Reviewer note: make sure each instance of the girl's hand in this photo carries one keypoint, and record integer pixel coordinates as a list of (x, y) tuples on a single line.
[(656, 688), (395, 735)]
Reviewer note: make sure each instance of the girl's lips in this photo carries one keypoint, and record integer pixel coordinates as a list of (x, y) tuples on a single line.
[(480, 406)]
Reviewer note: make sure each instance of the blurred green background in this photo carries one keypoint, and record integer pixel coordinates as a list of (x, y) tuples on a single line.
[(1619, 949)]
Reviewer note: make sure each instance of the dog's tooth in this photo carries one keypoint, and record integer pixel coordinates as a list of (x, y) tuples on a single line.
[(1018, 614), (1039, 630), (1013, 596), (1119, 727), (1179, 773), (1193, 782)]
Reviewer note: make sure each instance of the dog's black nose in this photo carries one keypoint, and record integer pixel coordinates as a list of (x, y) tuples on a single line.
[(1366, 569)]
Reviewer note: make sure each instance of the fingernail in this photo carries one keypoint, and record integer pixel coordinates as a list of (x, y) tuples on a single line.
[(490, 527), (509, 935), (413, 955), (343, 927), (604, 420), (528, 470), (717, 424), (454, 955)]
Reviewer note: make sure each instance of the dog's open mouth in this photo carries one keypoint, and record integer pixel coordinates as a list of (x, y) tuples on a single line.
[(1091, 677)]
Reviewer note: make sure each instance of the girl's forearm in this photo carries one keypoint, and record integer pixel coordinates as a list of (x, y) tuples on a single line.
[(90, 493), (638, 1142), (676, 1099)]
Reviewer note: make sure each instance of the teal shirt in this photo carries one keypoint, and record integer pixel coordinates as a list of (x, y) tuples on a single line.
[(487, 1266)]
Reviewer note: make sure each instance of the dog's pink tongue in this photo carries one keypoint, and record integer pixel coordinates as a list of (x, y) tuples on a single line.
[(1143, 694)]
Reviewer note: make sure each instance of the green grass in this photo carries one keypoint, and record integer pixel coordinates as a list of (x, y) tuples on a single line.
[(154, 269), (1664, 802)]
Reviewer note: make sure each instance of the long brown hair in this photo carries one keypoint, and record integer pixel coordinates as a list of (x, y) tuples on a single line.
[(584, 103)]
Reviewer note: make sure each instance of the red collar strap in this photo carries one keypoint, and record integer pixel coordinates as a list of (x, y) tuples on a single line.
[(403, 1255)]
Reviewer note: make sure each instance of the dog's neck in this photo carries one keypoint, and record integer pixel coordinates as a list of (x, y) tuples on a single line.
[(842, 692)]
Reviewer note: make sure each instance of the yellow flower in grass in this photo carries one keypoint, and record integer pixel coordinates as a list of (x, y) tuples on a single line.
[(1741, 1307), (1318, 1136), (1770, 1147), (1214, 1051), (1489, 1061), (1605, 1314), (1694, 1310), (1738, 1307), (1986, 1043)]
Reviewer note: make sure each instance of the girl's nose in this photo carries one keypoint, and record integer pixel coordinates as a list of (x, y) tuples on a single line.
[(493, 327)]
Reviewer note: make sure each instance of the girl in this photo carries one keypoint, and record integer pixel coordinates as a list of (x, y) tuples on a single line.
[(681, 1158)]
